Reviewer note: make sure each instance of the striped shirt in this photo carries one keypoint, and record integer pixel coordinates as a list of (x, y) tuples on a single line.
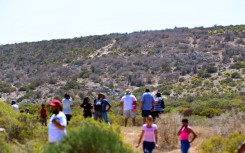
[(158, 106)]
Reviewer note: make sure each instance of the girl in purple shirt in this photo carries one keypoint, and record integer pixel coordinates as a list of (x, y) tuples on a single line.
[(149, 131)]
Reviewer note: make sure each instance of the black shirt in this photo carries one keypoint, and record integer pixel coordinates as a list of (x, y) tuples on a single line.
[(87, 108)]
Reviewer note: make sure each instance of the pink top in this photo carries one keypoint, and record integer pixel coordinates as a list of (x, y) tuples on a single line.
[(184, 134), (149, 135)]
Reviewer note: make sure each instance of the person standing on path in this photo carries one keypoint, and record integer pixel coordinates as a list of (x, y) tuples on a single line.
[(57, 124), (146, 105), (128, 104), (67, 103), (149, 131), (184, 133)]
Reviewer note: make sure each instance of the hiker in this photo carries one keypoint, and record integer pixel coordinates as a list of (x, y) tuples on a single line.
[(184, 133), (105, 109), (67, 103), (149, 131), (43, 115), (128, 104), (87, 107), (146, 105), (58, 123), (100, 108), (159, 107), (14, 105)]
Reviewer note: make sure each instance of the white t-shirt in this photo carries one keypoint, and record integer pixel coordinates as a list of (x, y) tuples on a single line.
[(67, 106), (128, 101), (55, 134), (15, 107)]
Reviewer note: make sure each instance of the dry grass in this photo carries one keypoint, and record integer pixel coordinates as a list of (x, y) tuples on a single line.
[(169, 124)]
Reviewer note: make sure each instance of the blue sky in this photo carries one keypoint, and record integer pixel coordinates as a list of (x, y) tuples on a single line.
[(36, 20)]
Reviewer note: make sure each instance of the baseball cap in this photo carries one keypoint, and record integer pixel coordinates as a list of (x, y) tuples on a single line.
[(55, 103)]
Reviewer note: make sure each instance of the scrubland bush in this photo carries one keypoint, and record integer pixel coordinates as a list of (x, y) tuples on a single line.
[(229, 122), (5, 87), (235, 75), (168, 126), (73, 84), (4, 147), (19, 127), (222, 144), (91, 138)]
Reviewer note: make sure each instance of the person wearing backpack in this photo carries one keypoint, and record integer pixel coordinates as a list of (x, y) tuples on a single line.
[(128, 104), (159, 107)]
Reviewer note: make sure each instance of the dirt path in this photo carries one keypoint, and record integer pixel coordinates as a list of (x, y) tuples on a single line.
[(131, 136)]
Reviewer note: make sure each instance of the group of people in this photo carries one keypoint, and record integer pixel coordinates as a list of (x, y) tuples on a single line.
[(150, 108), (149, 105)]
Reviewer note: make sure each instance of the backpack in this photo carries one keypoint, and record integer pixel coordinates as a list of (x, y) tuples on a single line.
[(162, 104), (98, 105)]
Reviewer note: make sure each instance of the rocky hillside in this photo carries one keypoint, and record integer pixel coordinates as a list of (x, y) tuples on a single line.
[(177, 62)]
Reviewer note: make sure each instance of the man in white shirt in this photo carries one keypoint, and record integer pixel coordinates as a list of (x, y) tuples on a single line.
[(67, 103), (14, 105), (128, 104), (58, 123)]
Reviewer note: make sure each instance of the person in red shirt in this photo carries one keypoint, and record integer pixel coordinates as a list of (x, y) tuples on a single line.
[(43, 115)]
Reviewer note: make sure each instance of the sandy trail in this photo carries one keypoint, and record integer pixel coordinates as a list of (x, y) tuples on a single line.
[(131, 136)]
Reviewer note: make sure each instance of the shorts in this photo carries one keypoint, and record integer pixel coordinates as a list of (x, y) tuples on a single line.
[(129, 113), (146, 113)]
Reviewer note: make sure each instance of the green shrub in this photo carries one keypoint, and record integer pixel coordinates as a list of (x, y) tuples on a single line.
[(91, 138), (196, 82), (73, 84), (52, 81), (24, 88), (18, 126), (35, 83), (211, 69), (85, 74), (203, 74), (3, 144), (238, 65), (168, 109), (235, 75), (219, 144), (210, 112), (5, 87)]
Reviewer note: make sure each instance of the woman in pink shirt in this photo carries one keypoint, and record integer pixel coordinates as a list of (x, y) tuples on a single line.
[(149, 131), (184, 133)]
